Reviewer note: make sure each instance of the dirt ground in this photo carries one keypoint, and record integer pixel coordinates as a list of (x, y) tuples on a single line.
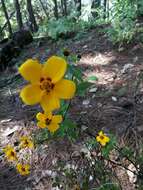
[(115, 105)]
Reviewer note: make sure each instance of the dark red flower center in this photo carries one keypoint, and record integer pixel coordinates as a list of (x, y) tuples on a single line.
[(23, 169), (26, 142), (12, 153), (101, 137), (46, 84), (48, 121)]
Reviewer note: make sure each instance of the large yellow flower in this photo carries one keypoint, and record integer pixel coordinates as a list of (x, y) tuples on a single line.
[(47, 84), (23, 169), (102, 138), (10, 153), (26, 142), (47, 120)]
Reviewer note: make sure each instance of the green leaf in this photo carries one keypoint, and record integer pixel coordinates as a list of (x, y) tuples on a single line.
[(69, 129), (92, 78), (76, 72), (82, 87), (110, 146), (127, 151), (63, 107), (110, 185)]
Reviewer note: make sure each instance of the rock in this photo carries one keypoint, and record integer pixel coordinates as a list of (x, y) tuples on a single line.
[(132, 176), (11, 48), (135, 59), (92, 90), (126, 68), (120, 49), (9, 131), (93, 96), (86, 102), (22, 38), (114, 98), (83, 112), (5, 120), (84, 127)]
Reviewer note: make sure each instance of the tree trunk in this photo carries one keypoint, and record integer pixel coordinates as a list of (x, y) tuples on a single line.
[(78, 6), (105, 3), (6, 23), (62, 7), (65, 7), (18, 14), (7, 18), (44, 9), (32, 20), (56, 9), (94, 6)]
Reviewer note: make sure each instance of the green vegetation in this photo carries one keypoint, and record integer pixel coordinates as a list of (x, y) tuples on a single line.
[(123, 21)]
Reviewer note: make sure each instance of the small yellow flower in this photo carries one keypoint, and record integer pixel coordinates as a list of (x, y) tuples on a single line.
[(47, 84), (47, 120), (102, 138), (26, 142), (10, 153), (23, 169)]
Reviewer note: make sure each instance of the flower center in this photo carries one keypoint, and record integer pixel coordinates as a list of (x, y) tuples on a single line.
[(48, 121), (12, 154), (46, 84), (101, 137), (26, 142), (23, 169)]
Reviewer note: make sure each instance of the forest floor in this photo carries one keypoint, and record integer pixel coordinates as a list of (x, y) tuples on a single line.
[(114, 104)]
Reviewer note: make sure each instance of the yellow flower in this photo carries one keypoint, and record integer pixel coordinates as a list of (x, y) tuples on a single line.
[(26, 142), (10, 153), (47, 120), (47, 84), (102, 138), (23, 169)]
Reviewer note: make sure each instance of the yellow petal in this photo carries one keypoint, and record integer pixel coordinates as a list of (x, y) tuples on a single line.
[(27, 166), (41, 117), (48, 115), (65, 89), (102, 143), (50, 102), (107, 139), (31, 94), (55, 68), (100, 133), (98, 139), (23, 169), (41, 124), (31, 70), (57, 119), (53, 127)]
